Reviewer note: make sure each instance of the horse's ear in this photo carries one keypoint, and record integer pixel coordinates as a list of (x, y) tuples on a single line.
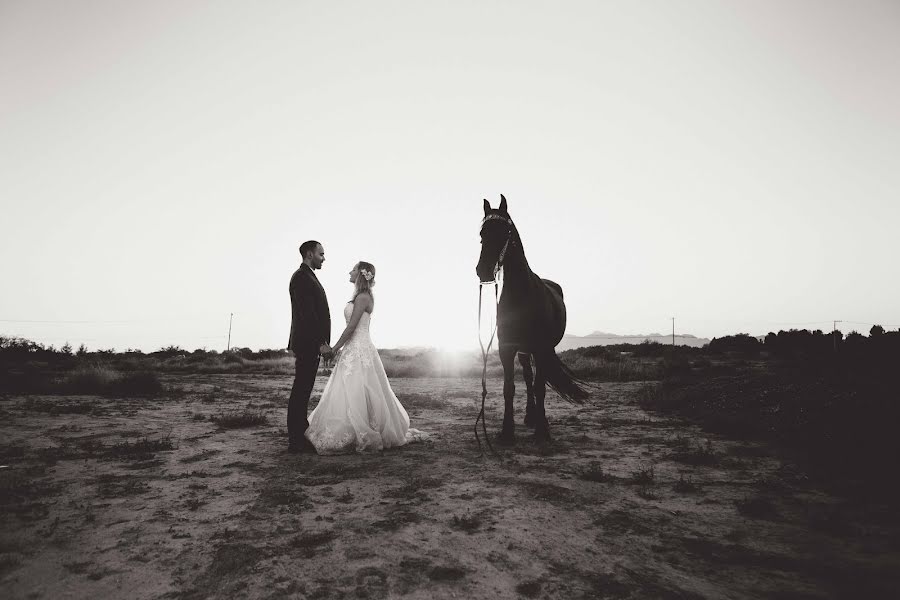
[(487, 208), (503, 205)]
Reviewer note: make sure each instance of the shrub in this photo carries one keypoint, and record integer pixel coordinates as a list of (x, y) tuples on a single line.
[(603, 364), (142, 383), (742, 343), (89, 379), (104, 381)]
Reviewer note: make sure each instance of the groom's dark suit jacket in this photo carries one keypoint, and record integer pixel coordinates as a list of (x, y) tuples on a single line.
[(310, 319)]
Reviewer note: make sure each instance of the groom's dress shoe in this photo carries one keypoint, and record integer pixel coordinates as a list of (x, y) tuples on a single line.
[(302, 447)]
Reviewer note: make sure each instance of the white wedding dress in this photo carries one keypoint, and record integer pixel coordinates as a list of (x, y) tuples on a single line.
[(358, 410)]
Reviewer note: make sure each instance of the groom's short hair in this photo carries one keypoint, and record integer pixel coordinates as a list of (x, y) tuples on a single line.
[(309, 246)]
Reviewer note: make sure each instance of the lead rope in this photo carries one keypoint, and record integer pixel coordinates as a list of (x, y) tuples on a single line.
[(484, 359)]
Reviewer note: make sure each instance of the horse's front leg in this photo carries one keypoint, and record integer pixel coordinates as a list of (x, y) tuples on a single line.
[(507, 359), (528, 374)]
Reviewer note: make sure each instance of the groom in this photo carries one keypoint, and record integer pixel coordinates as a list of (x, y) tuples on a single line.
[(310, 338)]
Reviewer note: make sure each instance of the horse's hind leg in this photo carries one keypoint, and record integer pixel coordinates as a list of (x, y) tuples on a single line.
[(541, 427), (525, 361), (508, 360)]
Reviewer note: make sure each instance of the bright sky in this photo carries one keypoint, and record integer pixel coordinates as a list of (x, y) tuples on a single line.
[(735, 165)]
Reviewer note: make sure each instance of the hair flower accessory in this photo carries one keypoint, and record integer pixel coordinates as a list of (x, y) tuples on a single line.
[(365, 273)]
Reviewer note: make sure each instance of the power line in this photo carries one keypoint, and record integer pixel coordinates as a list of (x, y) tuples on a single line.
[(871, 324), (95, 339), (97, 322), (64, 322)]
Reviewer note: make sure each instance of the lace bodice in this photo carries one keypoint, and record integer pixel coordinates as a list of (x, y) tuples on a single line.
[(359, 349), (362, 328)]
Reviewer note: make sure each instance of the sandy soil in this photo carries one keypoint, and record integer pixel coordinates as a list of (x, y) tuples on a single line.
[(149, 498)]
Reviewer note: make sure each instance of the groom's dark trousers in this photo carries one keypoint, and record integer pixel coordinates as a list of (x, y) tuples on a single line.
[(305, 367), (310, 328)]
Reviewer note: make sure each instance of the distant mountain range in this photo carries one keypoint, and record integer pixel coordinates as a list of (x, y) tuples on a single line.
[(601, 338)]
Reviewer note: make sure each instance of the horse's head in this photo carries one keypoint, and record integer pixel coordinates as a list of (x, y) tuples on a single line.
[(496, 234)]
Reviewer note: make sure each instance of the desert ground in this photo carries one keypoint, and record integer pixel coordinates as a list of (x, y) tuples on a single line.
[(191, 495)]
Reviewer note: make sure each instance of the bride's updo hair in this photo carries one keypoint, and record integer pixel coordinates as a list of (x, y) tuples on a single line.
[(365, 279)]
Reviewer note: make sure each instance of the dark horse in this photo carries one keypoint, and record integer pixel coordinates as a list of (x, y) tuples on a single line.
[(531, 321)]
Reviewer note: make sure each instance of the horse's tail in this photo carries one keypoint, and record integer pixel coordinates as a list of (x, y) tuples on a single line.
[(559, 377)]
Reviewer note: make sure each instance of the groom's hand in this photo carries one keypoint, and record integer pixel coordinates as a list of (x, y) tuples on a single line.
[(325, 350)]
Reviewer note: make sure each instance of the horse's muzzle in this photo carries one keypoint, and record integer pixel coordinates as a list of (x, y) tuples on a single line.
[(485, 275)]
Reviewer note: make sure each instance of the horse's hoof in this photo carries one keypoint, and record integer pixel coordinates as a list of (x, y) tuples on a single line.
[(542, 435), (506, 439)]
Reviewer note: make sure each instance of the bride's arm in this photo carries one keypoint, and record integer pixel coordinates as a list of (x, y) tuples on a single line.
[(360, 304)]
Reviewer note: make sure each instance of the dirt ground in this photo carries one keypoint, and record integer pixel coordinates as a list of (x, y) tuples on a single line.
[(137, 498)]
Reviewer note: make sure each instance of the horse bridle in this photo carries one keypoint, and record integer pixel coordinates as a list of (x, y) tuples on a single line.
[(509, 237), (485, 352)]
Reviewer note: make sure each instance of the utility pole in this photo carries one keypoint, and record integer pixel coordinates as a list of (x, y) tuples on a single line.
[(834, 334), (673, 332), (230, 319)]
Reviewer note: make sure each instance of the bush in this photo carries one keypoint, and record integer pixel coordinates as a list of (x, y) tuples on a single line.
[(92, 379), (675, 363), (96, 379), (233, 357), (648, 348), (104, 381), (601, 363), (142, 383), (742, 343)]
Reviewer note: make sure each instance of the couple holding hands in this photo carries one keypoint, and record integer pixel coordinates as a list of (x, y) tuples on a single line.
[(358, 411)]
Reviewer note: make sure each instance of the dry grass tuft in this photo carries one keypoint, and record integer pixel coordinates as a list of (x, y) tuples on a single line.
[(643, 476), (468, 522), (239, 420), (686, 486), (594, 472)]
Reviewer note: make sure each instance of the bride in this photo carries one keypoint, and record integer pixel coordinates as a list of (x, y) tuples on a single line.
[(358, 409)]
